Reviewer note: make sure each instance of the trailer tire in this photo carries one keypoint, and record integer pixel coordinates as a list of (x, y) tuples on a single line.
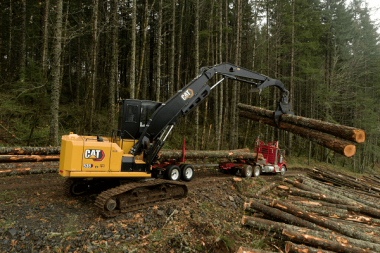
[(283, 170), (256, 171), (187, 172), (173, 173), (247, 171)]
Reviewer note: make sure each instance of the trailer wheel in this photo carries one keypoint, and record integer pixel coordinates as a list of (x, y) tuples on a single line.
[(246, 171), (173, 173), (187, 172), (257, 171), (283, 170)]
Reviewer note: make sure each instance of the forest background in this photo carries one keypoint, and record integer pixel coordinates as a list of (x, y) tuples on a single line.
[(64, 64)]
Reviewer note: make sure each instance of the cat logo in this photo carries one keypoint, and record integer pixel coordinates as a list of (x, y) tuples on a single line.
[(95, 154), (187, 94)]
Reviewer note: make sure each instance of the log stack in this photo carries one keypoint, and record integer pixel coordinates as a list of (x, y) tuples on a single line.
[(28, 160), (321, 132), (319, 216)]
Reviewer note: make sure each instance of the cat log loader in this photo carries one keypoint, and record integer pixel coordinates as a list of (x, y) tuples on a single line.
[(128, 158)]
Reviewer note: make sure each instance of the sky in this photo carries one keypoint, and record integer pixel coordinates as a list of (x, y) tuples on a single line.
[(374, 14)]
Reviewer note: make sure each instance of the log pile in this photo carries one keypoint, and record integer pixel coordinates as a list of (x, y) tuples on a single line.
[(321, 132), (27, 160), (319, 216)]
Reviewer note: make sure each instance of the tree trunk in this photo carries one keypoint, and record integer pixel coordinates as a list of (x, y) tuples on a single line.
[(133, 52), (143, 49), (195, 154), (172, 51), (344, 132), (159, 38), (27, 158), (30, 150), (196, 31), (23, 41), (296, 248), (220, 115), (55, 72), (114, 79), (319, 242), (278, 214), (93, 61), (325, 235), (342, 147)]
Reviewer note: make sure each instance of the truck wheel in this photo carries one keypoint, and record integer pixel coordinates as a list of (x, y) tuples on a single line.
[(257, 171), (246, 171), (187, 172), (283, 170), (173, 173)]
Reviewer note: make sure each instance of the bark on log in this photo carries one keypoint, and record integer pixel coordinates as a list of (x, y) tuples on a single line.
[(344, 132), (269, 225), (340, 146), (266, 188), (291, 247), (301, 186), (27, 158), (324, 244), (321, 221), (248, 250), (203, 154), (275, 213), (28, 171), (27, 165), (30, 151)]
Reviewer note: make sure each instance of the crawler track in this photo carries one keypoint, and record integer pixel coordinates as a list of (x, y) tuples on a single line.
[(134, 196)]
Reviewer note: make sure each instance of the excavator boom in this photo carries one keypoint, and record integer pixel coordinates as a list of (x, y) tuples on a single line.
[(185, 100)]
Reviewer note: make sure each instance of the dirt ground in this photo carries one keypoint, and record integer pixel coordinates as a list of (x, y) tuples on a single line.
[(35, 215)]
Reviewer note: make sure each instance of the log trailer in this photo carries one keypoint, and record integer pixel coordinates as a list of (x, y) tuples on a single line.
[(127, 159), (269, 158)]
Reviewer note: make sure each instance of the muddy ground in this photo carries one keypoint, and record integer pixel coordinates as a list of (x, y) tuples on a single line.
[(35, 216)]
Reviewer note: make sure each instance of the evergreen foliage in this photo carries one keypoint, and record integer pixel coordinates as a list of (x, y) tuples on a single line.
[(335, 52)]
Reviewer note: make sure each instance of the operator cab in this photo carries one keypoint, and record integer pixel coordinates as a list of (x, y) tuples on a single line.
[(134, 115)]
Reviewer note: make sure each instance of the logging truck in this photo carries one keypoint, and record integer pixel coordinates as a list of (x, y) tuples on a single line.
[(130, 154), (269, 159)]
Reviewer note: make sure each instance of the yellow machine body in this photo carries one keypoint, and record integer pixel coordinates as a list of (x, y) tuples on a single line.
[(86, 156)]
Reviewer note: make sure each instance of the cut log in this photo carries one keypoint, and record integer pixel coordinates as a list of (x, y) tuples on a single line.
[(321, 221), (28, 171), (275, 213), (291, 247), (344, 132), (340, 146), (203, 154), (266, 189), (324, 244), (30, 151), (27, 158), (301, 186), (248, 250), (269, 225), (27, 165)]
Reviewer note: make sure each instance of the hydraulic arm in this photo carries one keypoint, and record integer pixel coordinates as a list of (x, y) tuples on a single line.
[(184, 101)]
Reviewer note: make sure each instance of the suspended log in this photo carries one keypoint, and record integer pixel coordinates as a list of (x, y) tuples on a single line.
[(203, 154), (344, 132), (27, 158), (324, 244), (340, 146), (335, 226), (291, 247), (269, 225), (275, 213), (30, 151)]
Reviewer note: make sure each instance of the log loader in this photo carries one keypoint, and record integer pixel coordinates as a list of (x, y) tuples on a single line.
[(128, 157)]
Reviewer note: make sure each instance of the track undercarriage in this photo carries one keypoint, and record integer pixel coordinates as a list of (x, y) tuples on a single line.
[(131, 196)]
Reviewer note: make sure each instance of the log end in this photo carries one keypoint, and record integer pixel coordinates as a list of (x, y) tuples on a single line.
[(246, 206), (359, 136), (349, 150), (244, 220)]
